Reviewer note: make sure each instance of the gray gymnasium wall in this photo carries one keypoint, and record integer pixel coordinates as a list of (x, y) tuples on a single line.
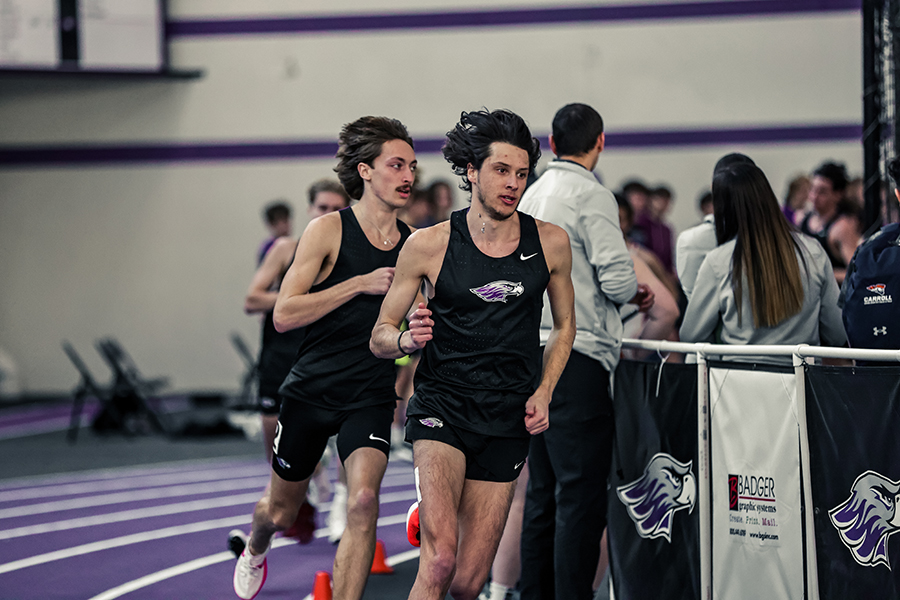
[(159, 251)]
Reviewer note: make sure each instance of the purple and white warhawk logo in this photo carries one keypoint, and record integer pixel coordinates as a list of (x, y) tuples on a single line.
[(666, 486), (868, 518), (498, 291)]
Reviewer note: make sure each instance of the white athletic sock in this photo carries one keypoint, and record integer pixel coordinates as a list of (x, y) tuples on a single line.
[(256, 559), (498, 591)]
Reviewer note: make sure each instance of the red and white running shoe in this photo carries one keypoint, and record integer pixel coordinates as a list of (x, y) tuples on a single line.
[(412, 525)]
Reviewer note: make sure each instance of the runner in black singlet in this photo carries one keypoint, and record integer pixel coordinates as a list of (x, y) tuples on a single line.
[(344, 265), (278, 351), (481, 387), (484, 361)]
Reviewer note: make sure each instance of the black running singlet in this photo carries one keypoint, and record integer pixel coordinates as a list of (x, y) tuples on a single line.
[(335, 368), (277, 352), (485, 358)]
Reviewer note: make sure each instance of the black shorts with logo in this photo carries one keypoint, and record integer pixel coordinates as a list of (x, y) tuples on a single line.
[(488, 458), (303, 431)]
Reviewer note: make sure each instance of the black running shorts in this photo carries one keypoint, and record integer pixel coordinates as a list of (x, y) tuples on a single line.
[(488, 458), (303, 431)]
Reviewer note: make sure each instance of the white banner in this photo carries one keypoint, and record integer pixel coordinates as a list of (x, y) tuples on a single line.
[(757, 536)]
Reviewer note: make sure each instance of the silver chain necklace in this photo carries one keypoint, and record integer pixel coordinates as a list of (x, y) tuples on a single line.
[(387, 239)]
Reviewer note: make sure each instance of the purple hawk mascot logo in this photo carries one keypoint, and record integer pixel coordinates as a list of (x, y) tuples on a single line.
[(868, 517), (665, 487), (498, 291)]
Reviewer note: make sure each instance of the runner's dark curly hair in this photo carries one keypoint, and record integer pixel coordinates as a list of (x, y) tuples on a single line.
[(360, 142), (469, 143)]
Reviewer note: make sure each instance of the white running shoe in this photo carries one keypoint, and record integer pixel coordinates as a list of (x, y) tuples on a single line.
[(401, 453), (337, 516), (400, 448), (312, 493), (319, 488), (250, 574)]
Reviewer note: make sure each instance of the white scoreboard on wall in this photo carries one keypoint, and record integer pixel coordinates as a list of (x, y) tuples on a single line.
[(82, 35)]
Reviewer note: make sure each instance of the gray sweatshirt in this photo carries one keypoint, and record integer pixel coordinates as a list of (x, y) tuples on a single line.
[(817, 323), (570, 196)]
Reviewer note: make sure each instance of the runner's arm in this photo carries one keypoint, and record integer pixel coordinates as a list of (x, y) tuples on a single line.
[(562, 307), (261, 297), (412, 269), (316, 252)]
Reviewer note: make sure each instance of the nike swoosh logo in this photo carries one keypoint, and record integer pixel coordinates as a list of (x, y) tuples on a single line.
[(523, 257), (515, 468), (372, 437)]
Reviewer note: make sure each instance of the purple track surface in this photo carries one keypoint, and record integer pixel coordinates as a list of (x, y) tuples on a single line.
[(159, 532)]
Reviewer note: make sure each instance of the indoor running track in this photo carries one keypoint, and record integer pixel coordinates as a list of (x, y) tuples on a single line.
[(159, 532)]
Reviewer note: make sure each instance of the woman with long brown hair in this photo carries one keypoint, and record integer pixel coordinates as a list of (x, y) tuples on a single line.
[(765, 283)]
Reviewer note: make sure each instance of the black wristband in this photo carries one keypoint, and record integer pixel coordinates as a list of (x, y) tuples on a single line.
[(405, 353)]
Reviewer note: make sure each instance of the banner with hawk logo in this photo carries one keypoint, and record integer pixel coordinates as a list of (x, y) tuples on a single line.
[(757, 528), (653, 531), (854, 436)]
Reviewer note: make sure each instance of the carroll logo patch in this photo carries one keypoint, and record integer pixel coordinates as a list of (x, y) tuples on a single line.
[(881, 296), (868, 518), (498, 291), (667, 486), (431, 422)]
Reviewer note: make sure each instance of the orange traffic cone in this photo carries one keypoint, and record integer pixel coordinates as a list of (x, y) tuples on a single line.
[(322, 587), (379, 562)]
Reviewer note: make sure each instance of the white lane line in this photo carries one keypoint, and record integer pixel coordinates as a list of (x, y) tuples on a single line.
[(194, 565), (136, 496), (187, 465), (124, 540), (165, 509), (158, 480), (395, 480), (396, 497), (139, 495), (158, 511), (130, 515), (157, 534), (206, 561), (49, 482), (72, 489)]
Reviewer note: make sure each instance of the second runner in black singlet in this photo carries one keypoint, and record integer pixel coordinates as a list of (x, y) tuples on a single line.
[(334, 367), (484, 360)]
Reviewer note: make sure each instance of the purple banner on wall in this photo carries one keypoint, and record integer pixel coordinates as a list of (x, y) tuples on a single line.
[(506, 18)]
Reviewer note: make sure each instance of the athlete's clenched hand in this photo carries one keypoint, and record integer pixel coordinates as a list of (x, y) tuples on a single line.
[(537, 412), (378, 282), (420, 325)]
